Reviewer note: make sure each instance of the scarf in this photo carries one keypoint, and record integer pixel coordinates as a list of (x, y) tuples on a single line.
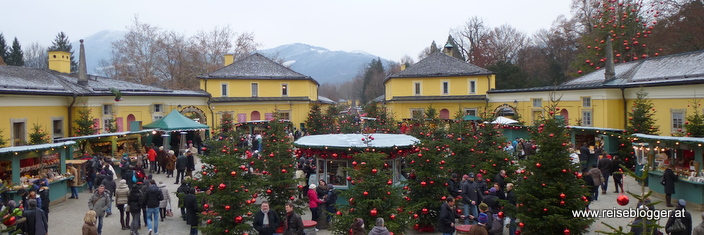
[(266, 218)]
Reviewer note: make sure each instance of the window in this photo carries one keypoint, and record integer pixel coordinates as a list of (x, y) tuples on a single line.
[(472, 87), (19, 132), (107, 124), (587, 118), (586, 102), (285, 115), (156, 117), (158, 108), (57, 127), (223, 89), (677, 119), (333, 172), (538, 103), (537, 115), (417, 113), (445, 88), (472, 112), (284, 90), (255, 89), (416, 88), (107, 109)]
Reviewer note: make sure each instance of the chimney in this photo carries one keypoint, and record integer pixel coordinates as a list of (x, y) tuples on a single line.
[(403, 67), (82, 70), (448, 49), (609, 73), (60, 61), (229, 59)]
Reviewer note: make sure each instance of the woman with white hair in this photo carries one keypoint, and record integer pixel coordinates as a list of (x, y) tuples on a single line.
[(313, 202), (379, 228)]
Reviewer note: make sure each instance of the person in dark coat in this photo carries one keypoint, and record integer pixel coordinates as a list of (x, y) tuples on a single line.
[(492, 201), (110, 186), (453, 186), (616, 173), (134, 201), (589, 182), (471, 196), (192, 209), (637, 226), (481, 185), (605, 166), (266, 221), (446, 219), (36, 222), (686, 220), (99, 178), (190, 163), (181, 193), (670, 179), (181, 166), (293, 224), (499, 178), (584, 155)]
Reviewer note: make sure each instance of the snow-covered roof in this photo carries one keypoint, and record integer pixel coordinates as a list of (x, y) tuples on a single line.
[(26, 148), (326, 100), (684, 68), (69, 139), (440, 65), (23, 80), (355, 141), (673, 138), (256, 66)]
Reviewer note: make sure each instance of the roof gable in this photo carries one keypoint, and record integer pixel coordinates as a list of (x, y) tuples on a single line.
[(441, 65), (257, 66)]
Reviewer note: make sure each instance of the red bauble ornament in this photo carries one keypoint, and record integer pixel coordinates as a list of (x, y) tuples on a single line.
[(284, 171), (389, 182), (537, 165), (518, 232), (349, 178), (268, 191), (222, 186), (206, 206), (392, 216), (622, 200), (373, 212), (424, 211), (233, 173), (209, 221), (562, 203), (566, 231), (415, 216), (205, 173), (238, 219), (545, 209), (500, 214), (443, 198), (227, 208), (271, 155), (562, 196), (365, 193), (10, 221), (423, 183), (374, 171), (354, 163), (521, 224), (292, 198), (338, 213)]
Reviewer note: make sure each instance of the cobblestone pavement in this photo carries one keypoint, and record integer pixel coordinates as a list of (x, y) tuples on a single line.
[(67, 217)]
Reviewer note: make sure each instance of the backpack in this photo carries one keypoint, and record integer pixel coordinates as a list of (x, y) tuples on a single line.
[(497, 225)]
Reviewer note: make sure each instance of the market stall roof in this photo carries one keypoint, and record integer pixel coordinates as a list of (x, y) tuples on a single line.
[(355, 141), (595, 128), (103, 135), (504, 120), (671, 138), (175, 121), (27, 148)]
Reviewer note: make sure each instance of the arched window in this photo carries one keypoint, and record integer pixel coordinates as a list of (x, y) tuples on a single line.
[(444, 114), (255, 116)]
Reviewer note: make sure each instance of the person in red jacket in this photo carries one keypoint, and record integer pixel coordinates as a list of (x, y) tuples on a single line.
[(313, 202), (151, 155)]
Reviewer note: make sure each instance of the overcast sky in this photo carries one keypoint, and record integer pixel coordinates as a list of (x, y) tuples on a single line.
[(387, 28)]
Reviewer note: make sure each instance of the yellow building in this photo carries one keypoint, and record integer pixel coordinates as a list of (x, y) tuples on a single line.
[(51, 99), (255, 87), (601, 100), (448, 84)]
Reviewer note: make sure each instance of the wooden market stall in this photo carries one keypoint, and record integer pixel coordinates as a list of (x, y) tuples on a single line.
[(20, 165), (175, 129), (684, 153), (599, 140)]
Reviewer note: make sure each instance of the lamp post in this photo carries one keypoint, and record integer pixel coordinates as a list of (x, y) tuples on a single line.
[(180, 108)]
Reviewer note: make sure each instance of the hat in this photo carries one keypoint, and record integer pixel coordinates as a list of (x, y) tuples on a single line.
[(125, 154), (682, 203), (483, 206), (483, 218), (465, 177), (102, 172), (479, 175), (492, 190), (161, 147), (70, 164), (312, 186), (330, 187), (359, 222), (471, 175)]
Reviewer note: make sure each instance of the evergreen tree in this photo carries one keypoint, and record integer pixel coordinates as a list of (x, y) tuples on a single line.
[(62, 43), (330, 120), (462, 141), (694, 126), (15, 56), (373, 195), (84, 122), (428, 169), (384, 122), (3, 141), (372, 81), (234, 190), (349, 124), (552, 188), (489, 156), (38, 135), (640, 119), (277, 183), (314, 123), (227, 123), (3, 49)]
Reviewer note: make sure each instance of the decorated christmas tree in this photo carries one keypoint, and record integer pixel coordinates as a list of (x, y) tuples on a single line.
[(428, 170), (488, 155), (276, 166), (84, 122), (552, 188), (694, 126), (227, 123), (231, 205), (462, 141), (38, 135), (373, 194), (640, 119), (384, 122), (314, 123), (330, 120)]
